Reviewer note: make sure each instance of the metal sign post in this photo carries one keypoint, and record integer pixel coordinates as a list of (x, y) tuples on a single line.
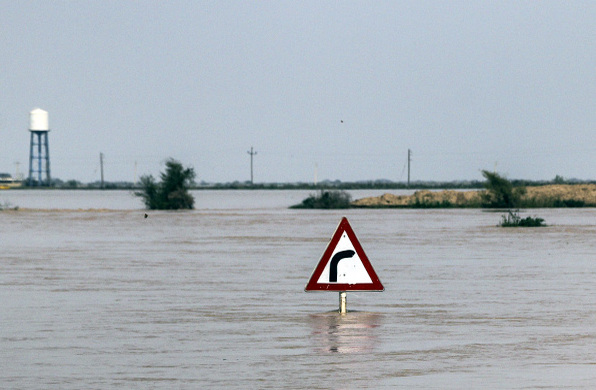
[(343, 305)]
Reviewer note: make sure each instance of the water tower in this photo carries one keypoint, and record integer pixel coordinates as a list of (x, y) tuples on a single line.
[(39, 151)]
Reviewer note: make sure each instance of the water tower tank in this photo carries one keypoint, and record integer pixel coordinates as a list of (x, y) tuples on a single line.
[(38, 120)]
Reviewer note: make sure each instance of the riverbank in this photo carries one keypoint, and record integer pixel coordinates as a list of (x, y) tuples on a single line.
[(560, 195)]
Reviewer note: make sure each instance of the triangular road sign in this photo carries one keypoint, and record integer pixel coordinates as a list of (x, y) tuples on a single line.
[(344, 265)]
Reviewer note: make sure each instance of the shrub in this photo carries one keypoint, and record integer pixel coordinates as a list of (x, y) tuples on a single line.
[(326, 200), (72, 184), (172, 192), (512, 219), (7, 206)]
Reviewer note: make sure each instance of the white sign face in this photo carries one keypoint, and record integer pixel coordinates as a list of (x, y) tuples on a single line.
[(345, 266)]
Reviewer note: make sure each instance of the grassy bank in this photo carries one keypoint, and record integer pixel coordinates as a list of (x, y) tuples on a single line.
[(549, 196)]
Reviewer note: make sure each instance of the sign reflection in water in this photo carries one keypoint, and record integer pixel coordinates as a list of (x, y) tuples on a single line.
[(355, 332)]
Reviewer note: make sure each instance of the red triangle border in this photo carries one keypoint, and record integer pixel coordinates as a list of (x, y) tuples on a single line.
[(312, 285)]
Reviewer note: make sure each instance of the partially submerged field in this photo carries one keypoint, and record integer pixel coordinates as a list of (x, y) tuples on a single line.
[(561, 195)]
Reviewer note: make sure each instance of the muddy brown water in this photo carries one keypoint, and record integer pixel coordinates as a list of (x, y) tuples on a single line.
[(93, 295)]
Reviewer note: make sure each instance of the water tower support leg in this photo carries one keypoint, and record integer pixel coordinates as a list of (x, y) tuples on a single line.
[(39, 171), (47, 157), (31, 159)]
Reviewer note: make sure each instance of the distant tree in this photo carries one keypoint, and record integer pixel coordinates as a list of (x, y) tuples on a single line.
[(500, 192), (72, 184), (172, 192)]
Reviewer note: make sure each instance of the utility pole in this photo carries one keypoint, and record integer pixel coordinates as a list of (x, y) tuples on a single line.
[(17, 174), (252, 153), (101, 165), (409, 160)]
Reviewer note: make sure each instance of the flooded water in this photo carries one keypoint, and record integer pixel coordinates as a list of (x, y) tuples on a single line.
[(93, 295)]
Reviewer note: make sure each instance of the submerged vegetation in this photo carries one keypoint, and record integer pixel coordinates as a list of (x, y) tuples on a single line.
[(172, 192), (512, 219), (7, 206), (326, 199)]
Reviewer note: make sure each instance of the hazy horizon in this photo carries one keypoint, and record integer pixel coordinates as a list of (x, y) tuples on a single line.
[(336, 91)]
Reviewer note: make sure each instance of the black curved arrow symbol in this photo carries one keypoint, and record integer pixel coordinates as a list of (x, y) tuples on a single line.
[(335, 260)]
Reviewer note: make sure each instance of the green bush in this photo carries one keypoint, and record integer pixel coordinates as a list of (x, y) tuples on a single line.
[(326, 200), (512, 219), (172, 192)]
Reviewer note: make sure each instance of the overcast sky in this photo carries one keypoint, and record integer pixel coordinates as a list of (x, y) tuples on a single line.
[(466, 85)]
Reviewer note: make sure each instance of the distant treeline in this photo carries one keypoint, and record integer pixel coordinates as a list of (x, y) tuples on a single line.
[(328, 184)]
